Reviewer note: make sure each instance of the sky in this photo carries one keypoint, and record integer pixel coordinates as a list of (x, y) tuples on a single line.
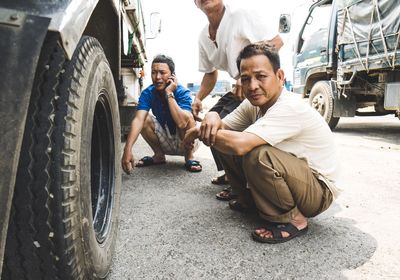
[(182, 21)]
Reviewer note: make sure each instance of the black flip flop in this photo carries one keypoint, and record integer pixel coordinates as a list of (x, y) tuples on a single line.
[(276, 230), (148, 161), (190, 163)]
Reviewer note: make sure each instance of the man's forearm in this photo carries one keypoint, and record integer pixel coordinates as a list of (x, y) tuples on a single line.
[(135, 129), (235, 142), (229, 142), (180, 117), (207, 84)]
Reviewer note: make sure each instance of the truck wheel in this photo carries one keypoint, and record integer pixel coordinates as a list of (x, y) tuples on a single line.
[(63, 223), (321, 99)]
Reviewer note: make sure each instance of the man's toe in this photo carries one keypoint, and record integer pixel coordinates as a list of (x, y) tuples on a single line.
[(260, 231)]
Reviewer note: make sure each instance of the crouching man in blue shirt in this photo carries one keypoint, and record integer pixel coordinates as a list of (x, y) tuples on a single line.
[(171, 117)]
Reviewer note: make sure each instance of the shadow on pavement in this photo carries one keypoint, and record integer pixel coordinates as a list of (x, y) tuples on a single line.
[(172, 227)]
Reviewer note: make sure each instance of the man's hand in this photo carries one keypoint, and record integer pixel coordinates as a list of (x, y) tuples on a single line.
[(172, 84), (197, 107), (206, 86), (209, 127), (127, 162), (190, 135)]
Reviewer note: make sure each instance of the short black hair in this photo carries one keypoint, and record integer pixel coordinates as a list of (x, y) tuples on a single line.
[(161, 58), (260, 49)]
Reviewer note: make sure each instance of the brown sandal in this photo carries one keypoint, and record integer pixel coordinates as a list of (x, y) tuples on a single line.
[(226, 194), (239, 206), (220, 180)]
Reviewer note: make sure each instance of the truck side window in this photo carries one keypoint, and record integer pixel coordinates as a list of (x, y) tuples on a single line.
[(316, 23), (315, 40)]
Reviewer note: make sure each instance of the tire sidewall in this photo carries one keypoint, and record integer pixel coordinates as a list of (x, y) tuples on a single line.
[(99, 80), (324, 88)]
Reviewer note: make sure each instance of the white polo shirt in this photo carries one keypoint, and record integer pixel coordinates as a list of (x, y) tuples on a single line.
[(291, 125), (237, 29)]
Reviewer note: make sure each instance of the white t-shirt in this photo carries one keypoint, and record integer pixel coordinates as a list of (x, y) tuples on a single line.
[(237, 29), (291, 125)]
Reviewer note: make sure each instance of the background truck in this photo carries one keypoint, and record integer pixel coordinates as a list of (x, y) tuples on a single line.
[(65, 69), (347, 57)]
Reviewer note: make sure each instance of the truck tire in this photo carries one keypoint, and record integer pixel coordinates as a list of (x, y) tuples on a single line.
[(321, 99), (63, 222)]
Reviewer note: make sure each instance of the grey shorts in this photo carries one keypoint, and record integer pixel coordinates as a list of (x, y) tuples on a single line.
[(170, 143)]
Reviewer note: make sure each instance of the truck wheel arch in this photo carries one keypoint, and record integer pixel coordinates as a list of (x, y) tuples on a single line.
[(104, 25)]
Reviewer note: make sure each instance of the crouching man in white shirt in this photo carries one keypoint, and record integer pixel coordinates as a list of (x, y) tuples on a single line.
[(278, 152)]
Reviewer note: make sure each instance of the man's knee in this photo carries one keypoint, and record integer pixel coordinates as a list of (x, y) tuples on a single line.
[(190, 124), (252, 159), (148, 126)]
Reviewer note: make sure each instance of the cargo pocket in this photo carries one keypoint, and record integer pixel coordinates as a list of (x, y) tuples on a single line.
[(280, 195)]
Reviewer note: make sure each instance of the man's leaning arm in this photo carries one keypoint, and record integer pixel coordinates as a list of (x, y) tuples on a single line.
[(137, 123), (236, 143)]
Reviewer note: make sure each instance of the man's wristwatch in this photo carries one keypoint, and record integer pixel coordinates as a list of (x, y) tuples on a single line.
[(170, 95)]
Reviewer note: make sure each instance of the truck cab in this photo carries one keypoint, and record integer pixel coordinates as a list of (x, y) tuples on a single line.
[(346, 59), (314, 47)]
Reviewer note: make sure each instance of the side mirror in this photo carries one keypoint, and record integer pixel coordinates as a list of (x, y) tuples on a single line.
[(155, 25), (310, 20), (284, 23)]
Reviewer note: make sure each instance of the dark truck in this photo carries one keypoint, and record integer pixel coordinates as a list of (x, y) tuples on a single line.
[(67, 69), (347, 57)]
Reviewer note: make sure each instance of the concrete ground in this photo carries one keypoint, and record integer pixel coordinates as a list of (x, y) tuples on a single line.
[(172, 227)]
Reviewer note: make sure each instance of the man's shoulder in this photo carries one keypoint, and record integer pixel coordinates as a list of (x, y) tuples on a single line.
[(180, 89), (148, 90), (292, 99), (289, 104), (145, 98), (245, 108), (239, 13), (242, 12), (293, 106)]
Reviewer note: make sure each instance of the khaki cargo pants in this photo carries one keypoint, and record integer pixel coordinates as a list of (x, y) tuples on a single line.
[(281, 185)]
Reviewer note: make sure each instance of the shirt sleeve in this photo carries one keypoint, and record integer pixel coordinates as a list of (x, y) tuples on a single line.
[(183, 98), (240, 118), (145, 100), (256, 27)]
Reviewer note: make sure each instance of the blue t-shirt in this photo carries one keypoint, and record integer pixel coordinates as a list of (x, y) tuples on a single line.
[(150, 99)]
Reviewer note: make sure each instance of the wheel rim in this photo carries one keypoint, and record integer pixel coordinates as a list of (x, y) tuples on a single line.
[(102, 168), (319, 103)]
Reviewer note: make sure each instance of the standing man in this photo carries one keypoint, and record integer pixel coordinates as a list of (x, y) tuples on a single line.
[(220, 42), (171, 117), (278, 152)]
